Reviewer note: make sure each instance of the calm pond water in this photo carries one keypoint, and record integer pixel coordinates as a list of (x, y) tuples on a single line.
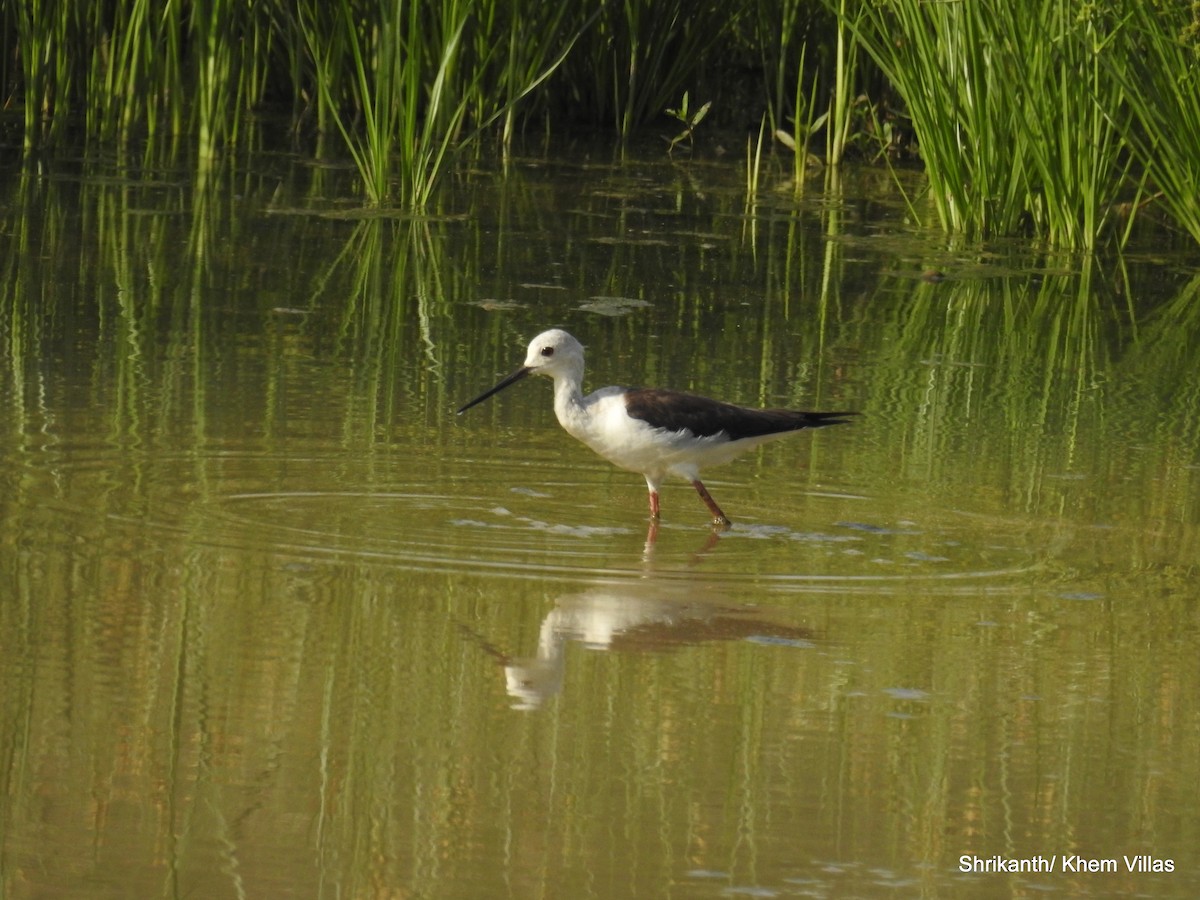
[(274, 622)]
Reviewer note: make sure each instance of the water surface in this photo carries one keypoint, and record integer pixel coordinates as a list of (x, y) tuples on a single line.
[(275, 622)]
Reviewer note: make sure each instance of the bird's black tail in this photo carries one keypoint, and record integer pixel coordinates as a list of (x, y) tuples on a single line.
[(821, 419)]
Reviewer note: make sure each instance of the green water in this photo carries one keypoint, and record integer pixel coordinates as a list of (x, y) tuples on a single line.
[(274, 622)]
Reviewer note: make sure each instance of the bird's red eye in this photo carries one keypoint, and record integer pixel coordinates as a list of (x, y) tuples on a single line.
[(547, 351)]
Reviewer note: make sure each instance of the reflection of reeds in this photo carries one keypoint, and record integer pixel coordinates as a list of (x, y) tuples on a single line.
[(402, 303), (181, 668), (1025, 381)]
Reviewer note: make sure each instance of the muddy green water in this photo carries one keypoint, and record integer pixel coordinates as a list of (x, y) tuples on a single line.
[(275, 623)]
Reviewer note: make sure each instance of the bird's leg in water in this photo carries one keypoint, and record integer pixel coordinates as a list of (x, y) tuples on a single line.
[(719, 518)]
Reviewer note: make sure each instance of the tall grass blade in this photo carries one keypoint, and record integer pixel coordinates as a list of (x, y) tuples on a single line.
[(1157, 63), (1016, 121)]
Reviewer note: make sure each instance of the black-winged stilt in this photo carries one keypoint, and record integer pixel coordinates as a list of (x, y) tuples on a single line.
[(649, 430)]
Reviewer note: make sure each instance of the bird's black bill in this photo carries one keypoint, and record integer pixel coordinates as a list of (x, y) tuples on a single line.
[(511, 379)]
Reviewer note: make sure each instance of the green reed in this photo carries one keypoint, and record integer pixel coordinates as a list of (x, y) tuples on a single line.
[(42, 29), (635, 61), (813, 71), (1159, 70), (841, 106), (164, 72), (1016, 121), (805, 122), (1043, 117), (534, 40), (370, 79), (402, 84), (1073, 118), (405, 85), (1040, 117)]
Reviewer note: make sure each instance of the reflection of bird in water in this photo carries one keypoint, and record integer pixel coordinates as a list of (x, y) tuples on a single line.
[(651, 431), (616, 618)]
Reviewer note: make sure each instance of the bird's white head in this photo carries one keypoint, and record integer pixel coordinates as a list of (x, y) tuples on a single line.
[(554, 353)]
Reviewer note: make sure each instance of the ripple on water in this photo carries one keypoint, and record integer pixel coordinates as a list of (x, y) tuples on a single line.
[(547, 518), (431, 530)]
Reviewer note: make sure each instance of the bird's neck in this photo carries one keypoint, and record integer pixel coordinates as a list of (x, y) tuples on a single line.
[(568, 404)]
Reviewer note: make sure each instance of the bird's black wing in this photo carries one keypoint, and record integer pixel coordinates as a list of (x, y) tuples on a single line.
[(704, 417)]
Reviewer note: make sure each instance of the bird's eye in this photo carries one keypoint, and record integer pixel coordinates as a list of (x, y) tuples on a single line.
[(547, 351)]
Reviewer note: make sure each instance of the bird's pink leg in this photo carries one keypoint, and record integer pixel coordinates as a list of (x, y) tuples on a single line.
[(719, 518), (651, 538), (654, 509)]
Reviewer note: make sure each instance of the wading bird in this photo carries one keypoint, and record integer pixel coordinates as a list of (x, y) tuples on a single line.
[(649, 430)]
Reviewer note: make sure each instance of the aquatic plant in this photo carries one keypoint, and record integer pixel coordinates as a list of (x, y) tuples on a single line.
[(689, 121), (813, 72), (842, 102), (401, 84), (632, 64), (1158, 70), (408, 110), (1016, 121), (537, 39), (805, 123), (1042, 117), (42, 28), (415, 82)]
